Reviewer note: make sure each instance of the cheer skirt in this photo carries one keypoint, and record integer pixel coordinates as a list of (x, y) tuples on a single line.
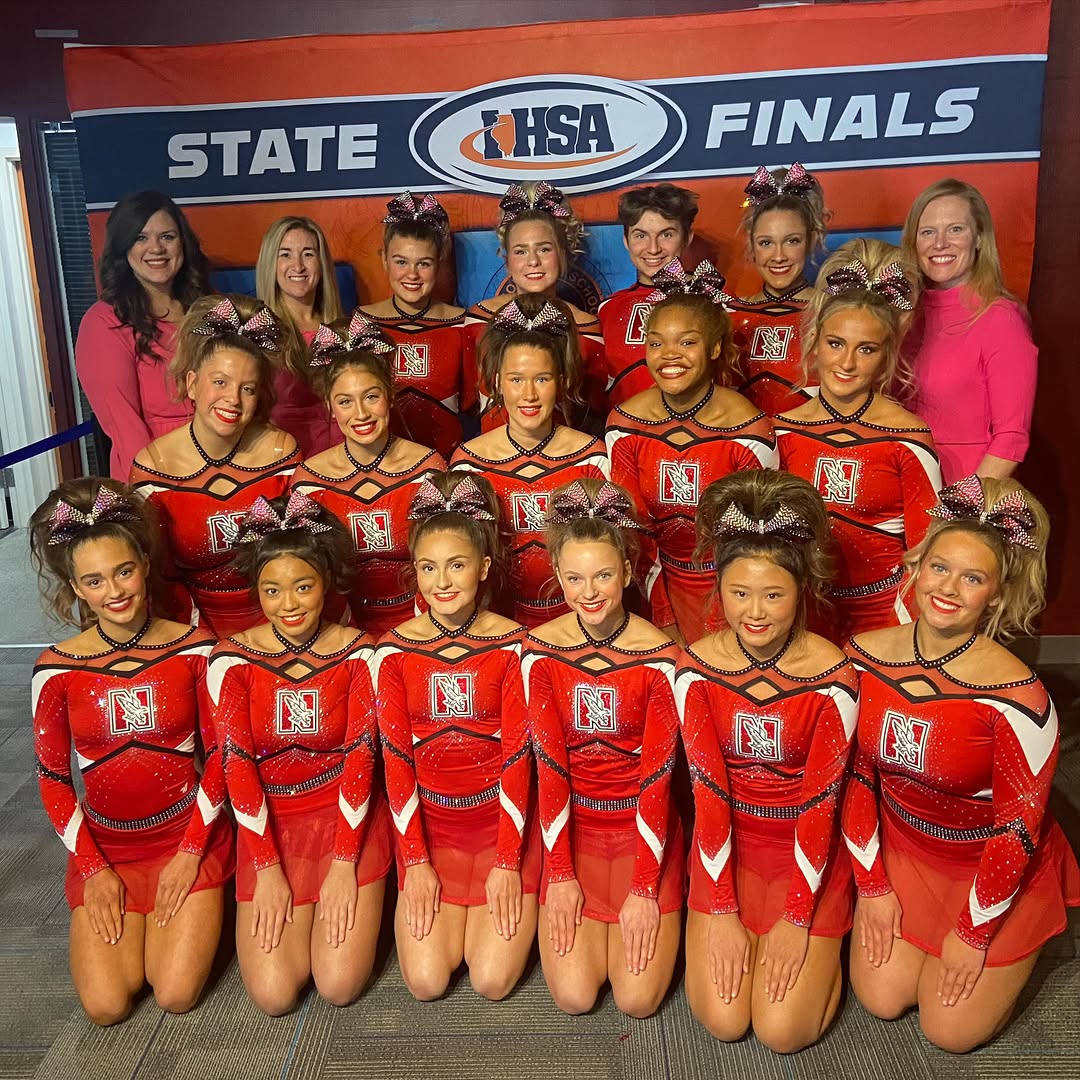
[(226, 612)]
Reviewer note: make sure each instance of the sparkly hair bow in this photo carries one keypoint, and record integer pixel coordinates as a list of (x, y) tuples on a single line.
[(611, 505), (262, 519), (1010, 515), (403, 207), (673, 280), (361, 336), (891, 283), (65, 522), (762, 186), (549, 319), (545, 197), (222, 320), (785, 523), (466, 498)]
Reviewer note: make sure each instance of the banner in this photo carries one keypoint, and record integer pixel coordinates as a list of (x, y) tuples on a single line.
[(881, 100)]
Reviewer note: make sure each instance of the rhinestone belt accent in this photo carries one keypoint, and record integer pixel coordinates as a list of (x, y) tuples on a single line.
[(605, 805), (679, 564), (871, 589), (132, 825), (458, 802), (940, 832), (389, 601), (306, 785)]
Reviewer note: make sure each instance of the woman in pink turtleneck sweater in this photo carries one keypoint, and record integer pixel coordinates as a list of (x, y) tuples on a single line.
[(973, 360)]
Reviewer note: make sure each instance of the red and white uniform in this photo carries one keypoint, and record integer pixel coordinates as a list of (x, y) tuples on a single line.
[(138, 719), (947, 807), (768, 775), (524, 484), (456, 754), (770, 354), (623, 319), (605, 743), (374, 506), (666, 478), (878, 484), (300, 737), (428, 379), (200, 515)]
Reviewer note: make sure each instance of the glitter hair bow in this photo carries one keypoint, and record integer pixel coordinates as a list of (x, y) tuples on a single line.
[(891, 283), (611, 505), (429, 211), (762, 186), (785, 523), (262, 519), (466, 498), (223, 320), (673, 280), (545, 197), (65, 522), (548, 319), (1010, 515), (362, 335)]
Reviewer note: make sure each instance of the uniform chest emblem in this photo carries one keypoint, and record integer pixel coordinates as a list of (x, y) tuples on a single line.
[(411, 361), (837, 479), (636, 323), (680, 483), (770, 343), (223, 530), (371, 530), (131, 710), (529, 510), (594, 709), (903, 740), (451, 695), (296, 712), (758, 737)]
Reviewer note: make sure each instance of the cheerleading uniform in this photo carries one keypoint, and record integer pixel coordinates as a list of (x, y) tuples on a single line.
[(605, 732), (948, 808), (200, 522), (666, 478), (456, 752), (770, 354), (136, 718), (878, 484), (374, 507), (784, 756), (624, 317), (300, 734), (428, 379), (524, 484)]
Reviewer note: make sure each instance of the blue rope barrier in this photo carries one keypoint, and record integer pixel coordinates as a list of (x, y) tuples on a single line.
[(44, 445)]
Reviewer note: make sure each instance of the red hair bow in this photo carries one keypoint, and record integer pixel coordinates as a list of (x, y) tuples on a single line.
[(545, 197), (403, 207), (611, 505), (672, 280), (65, 522), (1010, 515), (785, 523), (223, 320), (262, 519), (362, 335), (891, 283), (762, 186), (466, 498)]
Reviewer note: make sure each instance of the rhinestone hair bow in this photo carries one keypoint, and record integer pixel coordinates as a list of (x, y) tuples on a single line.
[(466, 498), (362, 335), (262, 519), (223, 320), (65, 522), (891, 282), (548, 319), (1010, 515), (762, 186), (545, 197), (673, 280), (404, 207), (785, 523), (611, 505)]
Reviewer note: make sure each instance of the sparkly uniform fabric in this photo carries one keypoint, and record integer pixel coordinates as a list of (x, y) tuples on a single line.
[(770, 354), (456, 753), (768, 753), (300, 738), (605, 733), (138, 719), (623, 317), (948, 808)]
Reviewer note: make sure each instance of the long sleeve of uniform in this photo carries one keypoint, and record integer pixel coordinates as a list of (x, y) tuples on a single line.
[(862, 827), (52, 753), (1010, 365), (516, 773), (357, 781), (920, 482), (212, 791)]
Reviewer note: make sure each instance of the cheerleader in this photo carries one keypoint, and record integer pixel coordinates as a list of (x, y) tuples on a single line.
[(294, 703), (962, 873), (872, 461), (458, 768), (539, 235), (668, 443), (768, 713), (784, 225), (202, 477), (532, 363), (658, 225), (426, 334), (148, 848), (368, 481), (604, 726)]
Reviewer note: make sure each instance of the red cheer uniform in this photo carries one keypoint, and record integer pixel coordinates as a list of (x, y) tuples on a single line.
[(138, 719), (770, 354), (784, 756), (456, 753), (623, 318), (605, 738), (947, 808), (300, 737)]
